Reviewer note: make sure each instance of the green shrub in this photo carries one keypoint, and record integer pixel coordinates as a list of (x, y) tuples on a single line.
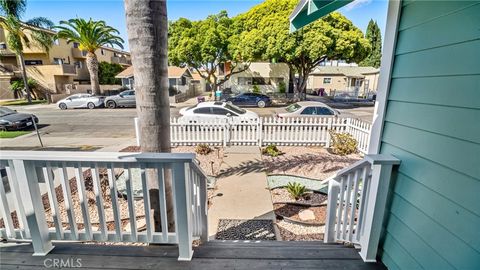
[(282, 87), (256, 89), (296, 190), (203, 149), (343, 143), (271, 150)]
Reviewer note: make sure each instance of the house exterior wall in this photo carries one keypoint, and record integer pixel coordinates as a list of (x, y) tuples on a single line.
[(432, 125), (337, 82), (271, 73)]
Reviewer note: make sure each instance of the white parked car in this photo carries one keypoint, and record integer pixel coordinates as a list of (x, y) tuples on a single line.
[(307, 109), (216, 110), (81, 101)]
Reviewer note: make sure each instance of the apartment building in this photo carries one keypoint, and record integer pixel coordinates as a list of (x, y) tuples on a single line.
[(58, 70)]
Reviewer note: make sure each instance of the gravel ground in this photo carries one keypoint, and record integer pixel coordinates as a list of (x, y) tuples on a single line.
[(294, 232), (282, 195), (239, 229), (291, 211), (308, 161)]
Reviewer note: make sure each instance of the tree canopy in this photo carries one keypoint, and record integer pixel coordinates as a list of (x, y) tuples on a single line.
[(266, 37), (374, 36), (108, 71), (206, 45)]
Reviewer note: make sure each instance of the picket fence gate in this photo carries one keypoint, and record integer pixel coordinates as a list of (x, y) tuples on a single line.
[(265, 130)]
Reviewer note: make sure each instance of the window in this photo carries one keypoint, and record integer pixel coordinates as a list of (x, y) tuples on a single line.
[(324, 111), (56, 41), (102, 52), (260, 81), (33, 62), (244, 81), (220, 111), (310, 111), (78, 64), (293, 108), (327, 80), (235, 109), (76, 44), (205, 110)]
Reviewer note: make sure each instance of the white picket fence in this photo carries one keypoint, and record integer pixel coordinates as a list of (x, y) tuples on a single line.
[(264, 131)]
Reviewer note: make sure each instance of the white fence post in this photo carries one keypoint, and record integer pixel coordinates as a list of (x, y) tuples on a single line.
[(333, 190), (183, 210), (376, 205), (26, 176), (329, 127)]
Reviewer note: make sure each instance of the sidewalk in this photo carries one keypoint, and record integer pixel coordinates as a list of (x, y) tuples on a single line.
[(243, 184)]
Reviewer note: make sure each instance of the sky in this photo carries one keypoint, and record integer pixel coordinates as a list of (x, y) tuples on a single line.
[(112, 11)]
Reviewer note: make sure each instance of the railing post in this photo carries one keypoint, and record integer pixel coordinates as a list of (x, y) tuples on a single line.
[(137, 130), (33, 204), (376, 202), (183, 209), (203, 209), (333, 190)]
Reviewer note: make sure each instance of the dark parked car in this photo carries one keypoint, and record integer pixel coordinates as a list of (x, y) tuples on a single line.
[(12, 120), (250, 99), (124, 99)]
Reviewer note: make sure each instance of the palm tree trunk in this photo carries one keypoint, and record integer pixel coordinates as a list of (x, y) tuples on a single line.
[(92, 66), (147, 29), (24, 77)]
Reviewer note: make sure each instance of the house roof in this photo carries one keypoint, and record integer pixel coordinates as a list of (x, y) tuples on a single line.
[(173, 72), (308, 11), (356, 72)]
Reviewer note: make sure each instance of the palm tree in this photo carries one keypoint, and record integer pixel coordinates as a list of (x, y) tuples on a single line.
[(147, 29), (90, 35), (17, 38)]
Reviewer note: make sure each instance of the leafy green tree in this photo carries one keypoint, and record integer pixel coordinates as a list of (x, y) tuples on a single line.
[(108, 71), (206, 46), (266, 36), (374, 36), (17, 37), (91, 35)]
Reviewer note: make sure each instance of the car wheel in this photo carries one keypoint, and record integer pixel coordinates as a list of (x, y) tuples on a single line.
[(111, 104), (90, 105), (261, 104), (62, 106), (3, 128)]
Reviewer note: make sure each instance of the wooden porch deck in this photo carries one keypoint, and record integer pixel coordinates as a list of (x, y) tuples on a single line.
[(212, 255)]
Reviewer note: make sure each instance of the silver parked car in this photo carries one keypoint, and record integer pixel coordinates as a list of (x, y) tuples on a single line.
[(81, 101), (124, 99), (307, 109)]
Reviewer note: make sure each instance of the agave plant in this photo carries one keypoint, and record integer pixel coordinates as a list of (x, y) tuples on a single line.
[(296, 190)]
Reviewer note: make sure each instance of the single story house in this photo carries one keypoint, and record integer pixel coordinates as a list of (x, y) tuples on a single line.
[(266, 76), (178, 78), (359, 80)]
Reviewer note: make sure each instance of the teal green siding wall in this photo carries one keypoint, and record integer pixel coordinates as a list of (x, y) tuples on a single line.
[(432, 124)]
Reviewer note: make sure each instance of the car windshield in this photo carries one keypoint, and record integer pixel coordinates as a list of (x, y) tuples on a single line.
[(235, 109), (293, 108), (6, 111)]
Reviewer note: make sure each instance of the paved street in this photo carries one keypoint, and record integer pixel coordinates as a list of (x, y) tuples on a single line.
[(109, 129)]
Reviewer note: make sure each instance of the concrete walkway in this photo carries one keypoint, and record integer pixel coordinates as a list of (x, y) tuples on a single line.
[(243, 184)]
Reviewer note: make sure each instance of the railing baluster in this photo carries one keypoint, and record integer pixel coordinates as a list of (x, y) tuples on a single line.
[(83, 201), (347, 206), (162, 201), (52, 197), (340, 207), (67, 199), (363, 201), (6, 212), (20, 208), (97, 189), (114, 198), (353, 205), (131, 203), (146, 201)]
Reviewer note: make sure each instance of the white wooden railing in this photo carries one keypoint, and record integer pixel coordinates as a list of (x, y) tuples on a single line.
[(74, 196), (357, 197), (264, 131)]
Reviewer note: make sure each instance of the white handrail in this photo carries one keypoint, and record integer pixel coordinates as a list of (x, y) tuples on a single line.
[(76, 211), (357, 197)]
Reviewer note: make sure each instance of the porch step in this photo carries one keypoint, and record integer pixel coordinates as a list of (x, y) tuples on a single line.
[(276, 250)]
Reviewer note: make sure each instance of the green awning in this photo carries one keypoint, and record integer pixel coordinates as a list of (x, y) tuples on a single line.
[(308, 11)]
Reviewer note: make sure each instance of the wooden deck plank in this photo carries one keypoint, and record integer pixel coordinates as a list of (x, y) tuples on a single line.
[(209, 256)]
